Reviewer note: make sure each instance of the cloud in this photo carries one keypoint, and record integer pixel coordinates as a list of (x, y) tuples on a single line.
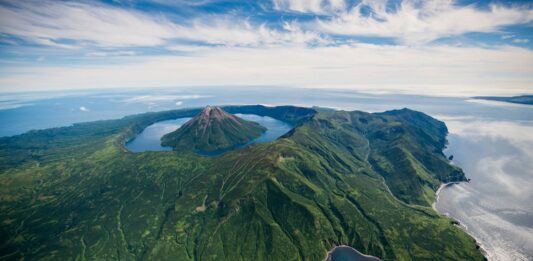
[(228, 32), (517, 134), (520, 41), (309, 6), (516, 185), (84, 109), (235, 49), (499, 103), (420, 22), (114, 53), (189, 48), (49, 23), (79, 25), (163, 98), (435, 70), (6, 105)]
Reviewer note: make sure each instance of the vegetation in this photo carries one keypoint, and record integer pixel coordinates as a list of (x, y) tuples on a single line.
[(354, 178), (213, 130)]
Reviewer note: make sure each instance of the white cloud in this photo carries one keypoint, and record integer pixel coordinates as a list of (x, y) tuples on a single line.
[(163, 98), (50, 22), (113, 53), (188, 48), (439, 70), (6, 105), (242, 33), (419, 22), (298, 5), (79, 25), (236, 51), (107, 26), (499, 103), (310, 6), (519, 40), (515, 185), (519, 135)]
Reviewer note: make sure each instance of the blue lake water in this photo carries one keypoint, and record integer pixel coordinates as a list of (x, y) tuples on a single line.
[(150, 138), (346, 253), (491, 141)]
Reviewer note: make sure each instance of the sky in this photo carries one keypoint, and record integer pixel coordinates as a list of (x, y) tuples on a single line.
[(439, 47)]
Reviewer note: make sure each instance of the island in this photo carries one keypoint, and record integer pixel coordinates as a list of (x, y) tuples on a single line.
[(213, 130), (522, 99), (338, 178)]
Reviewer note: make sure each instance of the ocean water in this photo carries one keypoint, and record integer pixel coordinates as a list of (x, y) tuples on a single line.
[(491, 141)]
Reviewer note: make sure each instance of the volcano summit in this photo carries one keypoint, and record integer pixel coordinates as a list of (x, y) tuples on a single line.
[(211, 130)]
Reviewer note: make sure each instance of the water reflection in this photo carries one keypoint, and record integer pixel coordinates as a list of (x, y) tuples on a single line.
[(496, 205), (150, 138)]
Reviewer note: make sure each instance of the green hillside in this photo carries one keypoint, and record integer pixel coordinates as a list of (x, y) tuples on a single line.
[(212, 130), (354, 178)]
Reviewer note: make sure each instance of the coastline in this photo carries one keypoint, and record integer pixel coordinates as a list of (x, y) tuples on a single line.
[(369, 257), (442, 186), (458, 222)]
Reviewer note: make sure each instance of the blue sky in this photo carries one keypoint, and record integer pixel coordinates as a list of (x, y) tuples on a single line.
[(441, 47)]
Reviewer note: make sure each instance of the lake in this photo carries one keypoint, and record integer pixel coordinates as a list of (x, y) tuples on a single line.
[(491, 141), (150, 138), (346, 253)]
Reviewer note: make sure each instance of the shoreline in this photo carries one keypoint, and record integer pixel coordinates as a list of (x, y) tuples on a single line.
[(459, 224), (441, 187), (328, 254)]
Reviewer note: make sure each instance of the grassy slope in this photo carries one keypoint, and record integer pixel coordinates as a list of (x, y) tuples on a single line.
[(322, 184)]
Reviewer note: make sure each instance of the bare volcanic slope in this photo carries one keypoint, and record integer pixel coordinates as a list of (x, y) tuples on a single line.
[(211, 130)]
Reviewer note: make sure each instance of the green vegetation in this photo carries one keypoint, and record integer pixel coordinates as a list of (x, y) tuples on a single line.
[(354, 178), (213, 130)]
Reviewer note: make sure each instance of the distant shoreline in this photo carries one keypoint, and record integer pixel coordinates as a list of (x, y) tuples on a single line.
[(522, 99)]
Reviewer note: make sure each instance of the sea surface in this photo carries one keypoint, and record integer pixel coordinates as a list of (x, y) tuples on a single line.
[(491, 141)]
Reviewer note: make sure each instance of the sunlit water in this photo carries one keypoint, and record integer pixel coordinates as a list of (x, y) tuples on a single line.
[(150, 138), (491, 141)]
